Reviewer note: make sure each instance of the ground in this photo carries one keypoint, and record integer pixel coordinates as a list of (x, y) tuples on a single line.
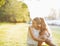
[(16, 34)]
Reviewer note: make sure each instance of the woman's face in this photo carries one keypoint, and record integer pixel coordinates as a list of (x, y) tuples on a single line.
[(39, 23), (36, 24)]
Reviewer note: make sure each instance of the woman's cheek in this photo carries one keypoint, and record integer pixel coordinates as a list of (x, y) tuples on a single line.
[(39, 26)]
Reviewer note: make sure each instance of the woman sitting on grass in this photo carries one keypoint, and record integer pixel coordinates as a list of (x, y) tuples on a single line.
[(38, 33)]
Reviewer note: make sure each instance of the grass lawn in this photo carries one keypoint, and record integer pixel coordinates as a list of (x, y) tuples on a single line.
[(56, 34), (16, 34)]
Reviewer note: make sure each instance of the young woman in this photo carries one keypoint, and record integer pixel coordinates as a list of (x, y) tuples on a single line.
[(38, 33)]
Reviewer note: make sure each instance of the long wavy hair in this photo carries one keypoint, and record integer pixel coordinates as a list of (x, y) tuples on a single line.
[(43, 26)]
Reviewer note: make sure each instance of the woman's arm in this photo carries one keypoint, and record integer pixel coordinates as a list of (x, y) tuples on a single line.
[(32, 35)]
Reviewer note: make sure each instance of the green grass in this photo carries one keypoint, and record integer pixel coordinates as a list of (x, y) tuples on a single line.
[(16, 34), (56, 34), (13, 34)]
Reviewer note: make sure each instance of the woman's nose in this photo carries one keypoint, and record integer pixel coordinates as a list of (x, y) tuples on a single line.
[(39, 25)]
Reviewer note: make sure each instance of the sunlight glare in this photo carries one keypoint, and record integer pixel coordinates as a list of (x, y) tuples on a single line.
[(41, 8)]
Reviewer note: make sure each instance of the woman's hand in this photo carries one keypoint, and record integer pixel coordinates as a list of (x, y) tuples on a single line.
[(41, 39)]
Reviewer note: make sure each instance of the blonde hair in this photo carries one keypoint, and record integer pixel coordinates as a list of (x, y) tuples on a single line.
[(43, 26), (36, 19)]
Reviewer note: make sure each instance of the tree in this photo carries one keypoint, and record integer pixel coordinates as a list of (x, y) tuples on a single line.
[(14, 11), (2, 2)]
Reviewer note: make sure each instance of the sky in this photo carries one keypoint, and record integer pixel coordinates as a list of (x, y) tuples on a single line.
[(41, 8)]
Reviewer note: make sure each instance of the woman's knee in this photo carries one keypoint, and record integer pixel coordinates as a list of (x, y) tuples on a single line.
[(40, 43)]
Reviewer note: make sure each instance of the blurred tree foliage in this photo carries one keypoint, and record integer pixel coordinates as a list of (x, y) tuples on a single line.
[(2, 2), (14, 11)]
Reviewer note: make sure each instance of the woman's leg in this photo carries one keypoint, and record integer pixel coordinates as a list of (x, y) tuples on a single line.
[(49, 42), (40, 43)]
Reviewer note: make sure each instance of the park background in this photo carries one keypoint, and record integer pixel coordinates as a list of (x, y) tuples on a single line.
[(16, 16)]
